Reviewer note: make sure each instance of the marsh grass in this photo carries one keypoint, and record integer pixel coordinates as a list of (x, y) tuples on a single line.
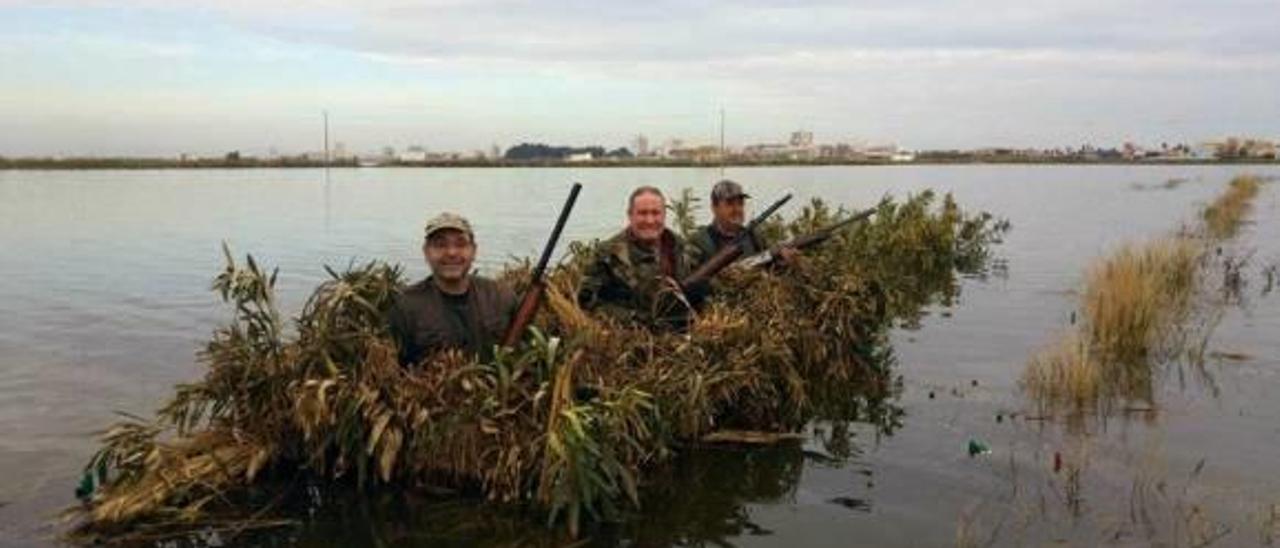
[(1135, 296), (569, 422), (1066, 372), (1223, 217), (1135, 306)]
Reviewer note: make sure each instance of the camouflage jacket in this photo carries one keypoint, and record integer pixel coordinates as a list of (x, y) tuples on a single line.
[(706, 241), (425, 320), (627, 281)]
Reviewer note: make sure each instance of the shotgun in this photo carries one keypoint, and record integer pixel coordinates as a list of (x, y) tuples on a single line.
[(766, 258), (730, 253), (538, 280)]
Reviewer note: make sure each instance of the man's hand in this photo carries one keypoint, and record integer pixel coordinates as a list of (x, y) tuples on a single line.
[(787, 255)]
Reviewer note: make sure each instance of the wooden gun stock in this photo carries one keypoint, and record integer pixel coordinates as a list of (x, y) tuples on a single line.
[(713, 266)]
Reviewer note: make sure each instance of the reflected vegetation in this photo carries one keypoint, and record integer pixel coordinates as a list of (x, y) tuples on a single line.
[(703, 497)]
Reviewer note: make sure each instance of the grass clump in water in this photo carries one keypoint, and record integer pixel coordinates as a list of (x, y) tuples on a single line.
[(1136, 294), (1066, 372), (568, 422), (1223, 217), (1132, 300), (1132, 305)]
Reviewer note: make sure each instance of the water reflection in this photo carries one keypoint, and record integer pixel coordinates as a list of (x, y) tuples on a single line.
[(707, 496), (703, 498)]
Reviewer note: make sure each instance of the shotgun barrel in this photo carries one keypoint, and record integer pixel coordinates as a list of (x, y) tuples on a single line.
[(766, 258), (538, 283)]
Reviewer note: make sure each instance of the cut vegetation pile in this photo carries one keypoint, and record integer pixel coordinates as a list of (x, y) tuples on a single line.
[(567, 422), (1132, 305)]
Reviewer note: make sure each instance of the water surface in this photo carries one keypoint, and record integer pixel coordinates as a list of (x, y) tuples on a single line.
[(104, 301)]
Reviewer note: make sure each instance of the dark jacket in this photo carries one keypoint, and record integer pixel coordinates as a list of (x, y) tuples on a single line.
[(626, 280), (706, 241), (425, 320)]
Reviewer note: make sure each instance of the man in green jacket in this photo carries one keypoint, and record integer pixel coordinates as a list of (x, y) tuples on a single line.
[(633, 276), (452, 308), (728, 210)]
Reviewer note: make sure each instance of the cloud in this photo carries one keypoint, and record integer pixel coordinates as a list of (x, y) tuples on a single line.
[(926, 72), (719, 30), (692, 32)]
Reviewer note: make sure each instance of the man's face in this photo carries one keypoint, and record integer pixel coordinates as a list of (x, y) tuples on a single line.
[(730, 212), (449, 252), (647, 217)]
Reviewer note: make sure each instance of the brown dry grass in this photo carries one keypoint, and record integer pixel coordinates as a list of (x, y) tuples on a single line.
[(1066, 373), (1132, 305), (1223, 217), (1134, 296)]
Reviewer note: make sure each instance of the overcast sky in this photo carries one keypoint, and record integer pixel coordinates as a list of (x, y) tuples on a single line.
[(162, 77)]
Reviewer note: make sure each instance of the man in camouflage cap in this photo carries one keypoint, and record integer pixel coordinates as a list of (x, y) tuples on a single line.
[(452, 308), (728, 210), (633, 275)]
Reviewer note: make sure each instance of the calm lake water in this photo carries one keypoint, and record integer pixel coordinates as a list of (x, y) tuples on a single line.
[(104, 300)]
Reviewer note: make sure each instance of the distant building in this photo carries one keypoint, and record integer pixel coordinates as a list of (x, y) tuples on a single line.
[(705, 153), (580, 157), (802, 139), (902, 156), (641, 144), (413, 154), (884, 153), (766, 151)]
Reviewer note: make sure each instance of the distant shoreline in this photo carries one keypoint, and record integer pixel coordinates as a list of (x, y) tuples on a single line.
[(33, 164)]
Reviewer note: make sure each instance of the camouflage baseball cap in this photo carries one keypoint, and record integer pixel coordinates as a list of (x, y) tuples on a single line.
[(727, 190), (448, 220)]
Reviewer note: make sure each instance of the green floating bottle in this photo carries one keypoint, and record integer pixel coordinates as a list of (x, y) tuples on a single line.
[(90, 481), (977, 448)]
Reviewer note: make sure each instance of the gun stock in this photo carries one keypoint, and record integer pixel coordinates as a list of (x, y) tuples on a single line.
[(538, 284), (713, 266)]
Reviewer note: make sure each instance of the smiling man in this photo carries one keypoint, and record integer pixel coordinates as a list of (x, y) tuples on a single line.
[(452, 308), (632, 276)]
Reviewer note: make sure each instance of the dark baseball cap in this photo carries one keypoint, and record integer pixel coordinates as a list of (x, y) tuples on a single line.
[(727, 190)]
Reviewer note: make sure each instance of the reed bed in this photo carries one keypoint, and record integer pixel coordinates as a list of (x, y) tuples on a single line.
[(1132, 306), (1135, 295), (568, 422), (1223, 217)]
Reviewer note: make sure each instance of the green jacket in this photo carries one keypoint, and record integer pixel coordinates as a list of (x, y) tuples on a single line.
[(626, 281), (425, 320), (706, 241)]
